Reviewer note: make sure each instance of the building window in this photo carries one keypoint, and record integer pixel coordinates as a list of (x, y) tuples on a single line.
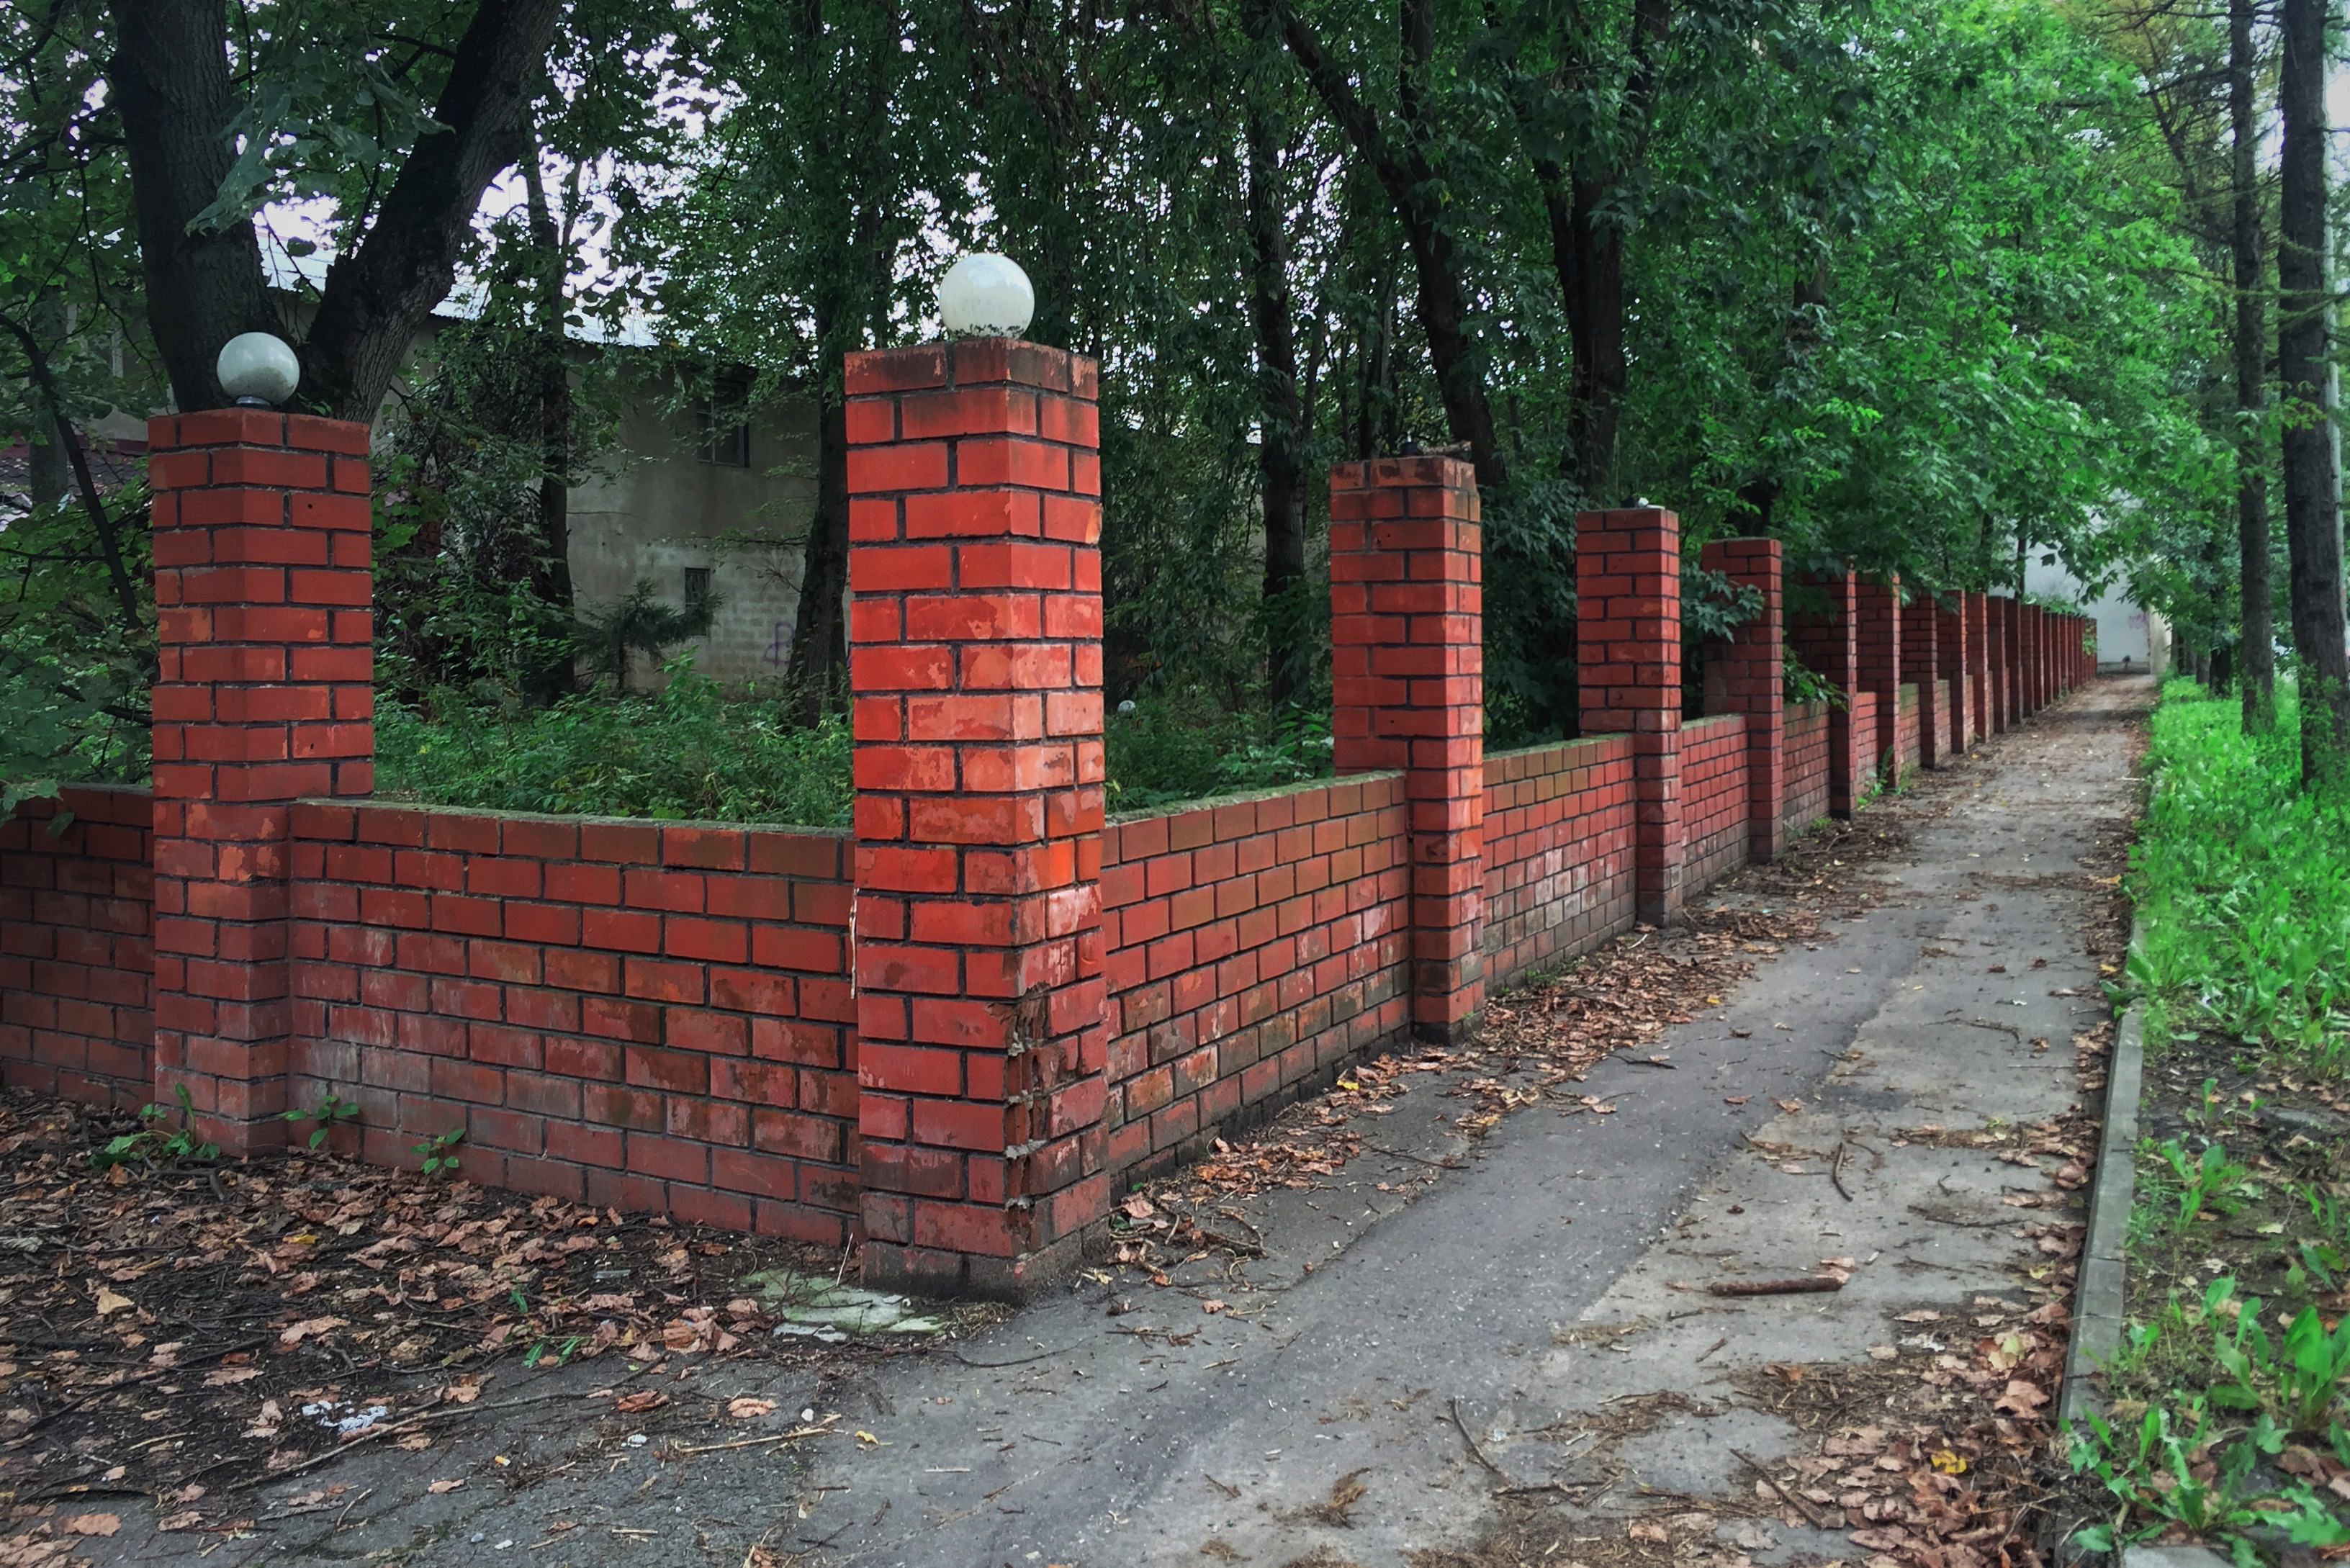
[(697, 586), (723, 422)]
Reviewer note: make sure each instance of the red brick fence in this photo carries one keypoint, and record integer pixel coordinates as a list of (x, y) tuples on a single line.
[(951, 1030)]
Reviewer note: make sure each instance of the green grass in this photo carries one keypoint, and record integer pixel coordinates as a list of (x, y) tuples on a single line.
[(688, 753), (693, 752), (2242, 885)]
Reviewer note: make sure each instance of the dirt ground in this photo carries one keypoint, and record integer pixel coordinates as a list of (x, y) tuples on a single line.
[(1472, 1308)]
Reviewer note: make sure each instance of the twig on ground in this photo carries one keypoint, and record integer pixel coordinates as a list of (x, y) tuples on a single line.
[(1717, 1345), (1019, 1360), (1453, 1405), (439, 1413), (1804, 1286), (1406, 1154), (1836, 1172), (1797, 1503), (825, 1430)]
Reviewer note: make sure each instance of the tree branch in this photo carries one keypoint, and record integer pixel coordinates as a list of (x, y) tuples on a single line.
[(110, 542)]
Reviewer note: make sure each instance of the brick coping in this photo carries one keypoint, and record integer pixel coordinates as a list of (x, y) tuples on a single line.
[(384, 802), (1250, 796)]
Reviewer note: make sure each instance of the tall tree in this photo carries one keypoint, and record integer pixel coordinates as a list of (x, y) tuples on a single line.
[(2313, 521), (1400, 146), (1282, 431), (182, 115), (2257, 665)]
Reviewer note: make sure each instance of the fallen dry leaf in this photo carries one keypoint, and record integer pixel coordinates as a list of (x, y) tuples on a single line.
[(643, 1400), (93, 1524), (308, 1328), (747, 1409), (437, 1488)]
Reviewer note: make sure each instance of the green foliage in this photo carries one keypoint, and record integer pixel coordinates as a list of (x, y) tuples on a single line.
[(2209, 1182), (324, 1117), (1802, 684), (440, 1154), (1165, 749), (157, 1139), (686, 753), (2242, 884), (2298, 1384), (641, 623), (2158, 1473), (74, 672)]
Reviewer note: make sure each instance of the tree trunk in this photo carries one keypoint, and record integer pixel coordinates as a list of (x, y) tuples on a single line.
[(378, 295), (1418, 194), (1280, 475), (171, 84), (170, 79), (48, 474), (820, 653), (2257, 665), (552, 577), (1594, 313), (550, 557), (1375, 413), (2311, 501)]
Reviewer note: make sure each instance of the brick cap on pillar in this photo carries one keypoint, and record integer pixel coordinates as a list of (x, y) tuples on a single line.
[(1424, 469), (970, 362)]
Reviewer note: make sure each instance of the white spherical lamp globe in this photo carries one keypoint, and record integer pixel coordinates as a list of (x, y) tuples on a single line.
[(986, 296), (255, 367)]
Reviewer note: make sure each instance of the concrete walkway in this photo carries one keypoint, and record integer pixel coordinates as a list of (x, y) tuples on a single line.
[(1522, 1349), (1116, 1449)]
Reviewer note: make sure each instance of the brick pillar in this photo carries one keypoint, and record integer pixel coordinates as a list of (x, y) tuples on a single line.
[(1921, 630), (264, 694), (1825, 638), (1879, 652), (2012, 651), (1627, 641), (1998, 708), (1408, 691), (2036, 685), (1979, 681), (975, 624), (1951, 662), (1749, 677)]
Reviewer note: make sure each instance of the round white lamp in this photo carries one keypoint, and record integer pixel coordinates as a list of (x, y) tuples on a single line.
[(986, 296), (258, 369)]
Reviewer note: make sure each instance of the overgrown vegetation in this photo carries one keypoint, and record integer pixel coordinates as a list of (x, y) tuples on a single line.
[(693, 751), (686, 752), (2230, 1418), (2242, 884)]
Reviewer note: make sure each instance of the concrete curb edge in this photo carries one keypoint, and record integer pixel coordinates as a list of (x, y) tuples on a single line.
[(2097, 1296)]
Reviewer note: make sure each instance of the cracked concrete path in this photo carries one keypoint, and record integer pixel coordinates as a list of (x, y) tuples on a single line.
[(1540, 1305)]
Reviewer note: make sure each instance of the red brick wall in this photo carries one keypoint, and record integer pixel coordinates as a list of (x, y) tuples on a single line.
[(1905, 727), (1558, 852), (1713, 796), (1864, 723), (654, 1016), (77, 948), (1252, 945), (1946, 719), (1807, 764)]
